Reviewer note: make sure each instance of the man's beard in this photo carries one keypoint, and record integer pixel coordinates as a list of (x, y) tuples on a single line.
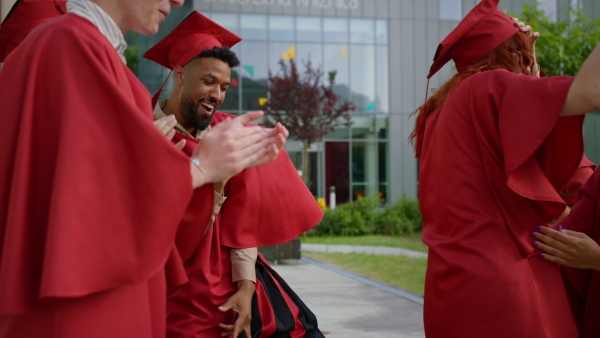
[(190, 110)]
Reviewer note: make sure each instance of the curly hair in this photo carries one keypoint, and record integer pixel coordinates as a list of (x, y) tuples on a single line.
[(502, 57), (222, 53)]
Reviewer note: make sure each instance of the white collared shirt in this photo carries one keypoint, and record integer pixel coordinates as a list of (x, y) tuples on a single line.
[(107, 26)]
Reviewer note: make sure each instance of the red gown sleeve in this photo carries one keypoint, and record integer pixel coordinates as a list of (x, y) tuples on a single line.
[(570, 190), (541, 149), (266, 205), (90, 193)]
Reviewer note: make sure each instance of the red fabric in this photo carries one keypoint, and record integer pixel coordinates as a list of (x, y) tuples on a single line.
[(266, 205), (585, 284), (190, 142), (570, 190), (120, 312), (269, 318), (89, 201), (22, 18), (194, 221), (491, 168)]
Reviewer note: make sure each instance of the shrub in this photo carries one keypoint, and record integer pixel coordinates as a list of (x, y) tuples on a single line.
[(343, 220), (402, 217), (350, 219), (365, 216)]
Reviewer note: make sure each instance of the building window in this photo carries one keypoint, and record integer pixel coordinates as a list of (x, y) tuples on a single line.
[(253, 26), (308, 29), (451, 10), (335, 57), (362, 31), (381, 32), (362, 77), (281, 28), (254, 71), (229, 21), (335, 30)]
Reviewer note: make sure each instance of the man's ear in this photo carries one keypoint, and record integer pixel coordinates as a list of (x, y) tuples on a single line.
[(179, 75)]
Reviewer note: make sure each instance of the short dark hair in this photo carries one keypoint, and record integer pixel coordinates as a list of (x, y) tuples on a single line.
[(222, 53)]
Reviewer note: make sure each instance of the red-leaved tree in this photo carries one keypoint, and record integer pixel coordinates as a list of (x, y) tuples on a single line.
[(305, 105)]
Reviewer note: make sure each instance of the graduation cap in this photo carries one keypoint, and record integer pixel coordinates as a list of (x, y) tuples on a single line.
[(195, 34), (22, 18), (482, 30)]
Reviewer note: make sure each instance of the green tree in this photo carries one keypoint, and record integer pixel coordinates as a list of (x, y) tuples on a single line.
[(563, 46), (132, 53)]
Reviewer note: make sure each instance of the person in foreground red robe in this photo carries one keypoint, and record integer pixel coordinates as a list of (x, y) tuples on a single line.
[(573, 244), (22, 18), (497, 148), (264, 206), (83, 245)]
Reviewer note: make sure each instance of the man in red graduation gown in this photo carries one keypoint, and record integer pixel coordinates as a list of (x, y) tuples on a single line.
[(497, 147), (83, 245), (264, 206)]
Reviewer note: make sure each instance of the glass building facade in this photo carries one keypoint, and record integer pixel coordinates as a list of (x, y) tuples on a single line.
[(352, 159), (381, 50), (356, 49)]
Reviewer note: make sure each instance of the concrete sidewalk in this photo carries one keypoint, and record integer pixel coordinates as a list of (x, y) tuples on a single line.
[(348, 305), (372, 250)]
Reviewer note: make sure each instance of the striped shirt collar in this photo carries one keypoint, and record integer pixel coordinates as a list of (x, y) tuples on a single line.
[(107, 26)]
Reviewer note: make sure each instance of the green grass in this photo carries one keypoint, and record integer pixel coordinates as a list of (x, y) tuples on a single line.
[(411, 242), (403, 272)]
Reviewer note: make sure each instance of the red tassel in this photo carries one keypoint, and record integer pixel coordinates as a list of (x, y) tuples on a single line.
[(157, 94), (155, 97)]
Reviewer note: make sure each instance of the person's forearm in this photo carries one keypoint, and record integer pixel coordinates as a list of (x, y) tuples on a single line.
[(583, 95)]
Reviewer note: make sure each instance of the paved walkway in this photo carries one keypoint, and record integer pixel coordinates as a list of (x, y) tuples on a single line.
[(348, 305), (372, 250)]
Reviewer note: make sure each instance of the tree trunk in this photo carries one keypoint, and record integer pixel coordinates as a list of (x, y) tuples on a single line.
[(305, 163)]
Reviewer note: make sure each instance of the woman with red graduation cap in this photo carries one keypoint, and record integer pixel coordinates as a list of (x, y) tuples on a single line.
[(497, 148), (265, 206)]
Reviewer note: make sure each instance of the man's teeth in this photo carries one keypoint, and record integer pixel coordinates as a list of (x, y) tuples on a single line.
[(208, 106)]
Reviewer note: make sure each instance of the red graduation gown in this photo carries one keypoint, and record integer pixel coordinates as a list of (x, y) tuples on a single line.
[(493, 161), (89, 202), (266, 205), (584, 285)]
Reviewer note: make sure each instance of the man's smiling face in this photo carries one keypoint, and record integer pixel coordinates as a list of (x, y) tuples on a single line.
[(203, 91)]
